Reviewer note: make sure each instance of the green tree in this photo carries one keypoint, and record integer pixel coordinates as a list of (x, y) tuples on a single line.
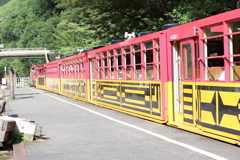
[(110, 19), (2, 2)]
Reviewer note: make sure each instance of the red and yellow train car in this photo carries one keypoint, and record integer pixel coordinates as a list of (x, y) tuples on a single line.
[(41, 76), (73, 73), (204, 66), (52, 77), (129, 76), (186, 76)]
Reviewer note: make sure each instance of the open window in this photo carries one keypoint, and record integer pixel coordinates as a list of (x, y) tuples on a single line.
[(234, 52), (213, 53)]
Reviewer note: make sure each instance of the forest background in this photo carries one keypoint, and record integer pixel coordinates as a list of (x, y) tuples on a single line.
[(67, 25)]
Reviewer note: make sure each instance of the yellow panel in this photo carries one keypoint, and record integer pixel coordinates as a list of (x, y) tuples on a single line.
[(207, 96), (170, 104), (207, 117), (123, 94), (239, 116), (156, 110), (239, 106), (154, 98), (135, 107), (187, 99), (147, 98), (118, 93), (134, 91), (230, 121), (135, 101), (110, 101), (233, 101), (188, 108), (135, 86), (107, 84), (109, 89), (111, 97), (187, 90), (189, 116), (224, 134)]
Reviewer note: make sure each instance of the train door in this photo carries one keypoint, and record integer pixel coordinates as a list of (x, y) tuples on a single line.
[(92, 82), (176, 81), (187, 84), (60, 78)]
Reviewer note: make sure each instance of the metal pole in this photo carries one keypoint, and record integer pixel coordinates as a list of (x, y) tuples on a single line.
[(5, 69), (46, 56), (11, 83)]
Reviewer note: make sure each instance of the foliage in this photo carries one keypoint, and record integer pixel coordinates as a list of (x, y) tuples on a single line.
[(65, 26), (17, 137), (110, 19)]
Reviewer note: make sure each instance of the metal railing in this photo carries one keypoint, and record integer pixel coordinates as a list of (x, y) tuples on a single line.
[(22, 81), (24, 49)]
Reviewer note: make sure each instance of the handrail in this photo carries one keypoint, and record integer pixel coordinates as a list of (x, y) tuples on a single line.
[(24, 49)]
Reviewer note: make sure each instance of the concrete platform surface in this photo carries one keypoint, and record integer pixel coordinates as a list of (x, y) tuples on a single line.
[(74, 130)]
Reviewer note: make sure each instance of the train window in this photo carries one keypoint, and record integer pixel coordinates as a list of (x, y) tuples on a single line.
[(137, 47), (81, 67), (197, 62), (83, 73), (234, 39), (158, 58), (214, 64), (234, 26), (148, 60), (111, 52), (119, 51), (137, 67), (187, 61), (128, 66), (93, 68), (127, 49), (112, 76), (119, 63), (148, 45), (83, 64), (105, 54), (105, 62), (157, 43), (158, 67), (99, 68), (127, 62), (213, 53), (149, 64), (214, 30)]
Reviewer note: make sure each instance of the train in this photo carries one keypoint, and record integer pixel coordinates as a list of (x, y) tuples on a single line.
[(186, 76)]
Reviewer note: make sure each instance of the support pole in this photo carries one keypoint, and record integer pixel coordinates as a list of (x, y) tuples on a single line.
[(46, 56), (11, 82)]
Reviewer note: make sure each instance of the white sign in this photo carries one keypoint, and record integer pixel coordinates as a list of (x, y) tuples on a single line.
[(175, 36), (1, 45), (4, 81)]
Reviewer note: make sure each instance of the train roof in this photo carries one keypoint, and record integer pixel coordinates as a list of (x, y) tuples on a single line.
[(189, 29)]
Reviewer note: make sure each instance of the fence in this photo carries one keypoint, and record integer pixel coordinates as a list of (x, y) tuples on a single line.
[(22, 81)]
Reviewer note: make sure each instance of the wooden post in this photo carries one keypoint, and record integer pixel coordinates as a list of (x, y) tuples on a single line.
[(11, 83)]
